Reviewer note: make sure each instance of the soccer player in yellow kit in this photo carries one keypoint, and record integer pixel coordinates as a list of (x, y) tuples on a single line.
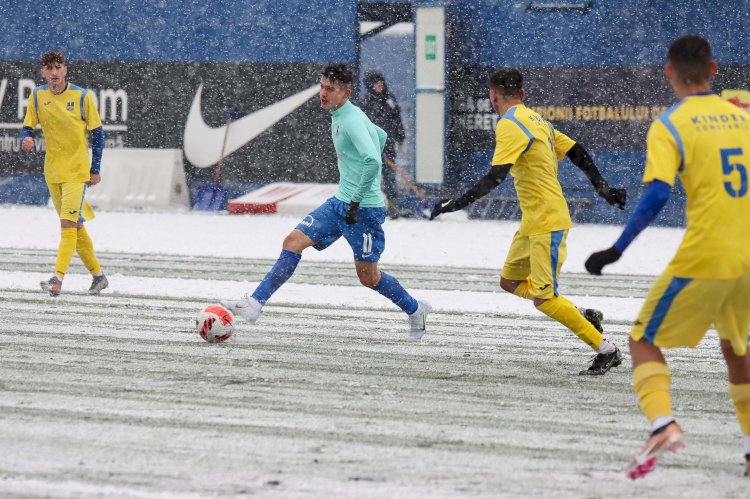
[(707, 141), (529, 148), (65, 111)]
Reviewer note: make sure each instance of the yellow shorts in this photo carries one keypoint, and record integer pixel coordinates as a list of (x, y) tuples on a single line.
[(540, 258), (69, 200), (678, 311)]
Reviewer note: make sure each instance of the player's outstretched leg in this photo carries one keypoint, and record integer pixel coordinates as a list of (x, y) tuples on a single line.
[(651, 382), (64, 255), (418, 320), (563, 311), (249, 307), (417, 311), (667, 438), (85, 250), (603, 362)]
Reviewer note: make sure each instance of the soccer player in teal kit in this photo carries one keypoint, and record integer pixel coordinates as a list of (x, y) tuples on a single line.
[(356, 212)]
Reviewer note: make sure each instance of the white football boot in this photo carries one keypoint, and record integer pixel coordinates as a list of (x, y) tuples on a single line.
[(248, 308), (418, 320), (667, 438)]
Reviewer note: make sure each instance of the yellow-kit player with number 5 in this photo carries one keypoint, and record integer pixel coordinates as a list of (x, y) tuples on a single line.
[(65, 111), (706, 140)]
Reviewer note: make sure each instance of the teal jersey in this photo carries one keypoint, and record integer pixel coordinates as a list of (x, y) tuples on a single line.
[(359, 147)]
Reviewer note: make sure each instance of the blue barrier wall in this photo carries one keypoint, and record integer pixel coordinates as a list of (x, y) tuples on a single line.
[(269, 31), (614, 32), (483, 32)]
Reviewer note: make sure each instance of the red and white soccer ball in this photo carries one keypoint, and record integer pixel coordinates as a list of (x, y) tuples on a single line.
[(214, 324)]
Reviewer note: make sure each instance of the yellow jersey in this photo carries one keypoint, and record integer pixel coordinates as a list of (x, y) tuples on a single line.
[(707, 141), (64, 118), (532, 145)]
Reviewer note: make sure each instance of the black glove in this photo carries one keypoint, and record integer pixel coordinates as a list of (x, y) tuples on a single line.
[(351, 213), (614, 196), (444, 206), (598, 260)]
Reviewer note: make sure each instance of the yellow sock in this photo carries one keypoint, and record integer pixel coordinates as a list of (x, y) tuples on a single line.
[(522, 290), (564, 312), (651, 384), (562, 298), (741, 397), (65, 250), (85, 249)]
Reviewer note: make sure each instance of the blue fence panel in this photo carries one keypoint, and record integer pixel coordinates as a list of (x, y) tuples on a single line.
[(23, 189), (498, 32), (272, 31)]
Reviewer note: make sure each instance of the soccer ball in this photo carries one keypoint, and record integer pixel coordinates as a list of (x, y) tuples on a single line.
[(214, 324)]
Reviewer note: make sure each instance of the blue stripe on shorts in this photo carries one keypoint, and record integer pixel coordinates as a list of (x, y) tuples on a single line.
[(554, 249), (676, 285)]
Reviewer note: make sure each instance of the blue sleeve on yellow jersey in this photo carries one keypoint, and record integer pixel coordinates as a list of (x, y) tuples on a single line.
[(649, 206), (97, 146)]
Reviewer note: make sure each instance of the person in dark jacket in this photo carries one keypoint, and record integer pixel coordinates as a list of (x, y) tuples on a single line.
[(383, 110)]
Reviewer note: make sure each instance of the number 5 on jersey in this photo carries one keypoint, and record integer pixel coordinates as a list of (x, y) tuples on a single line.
[(728, 167)]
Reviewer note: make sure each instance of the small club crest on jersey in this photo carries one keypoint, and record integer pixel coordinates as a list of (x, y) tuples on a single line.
[(70, 106)]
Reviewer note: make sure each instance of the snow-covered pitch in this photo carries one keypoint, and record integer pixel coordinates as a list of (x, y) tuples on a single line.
[(117, 396)]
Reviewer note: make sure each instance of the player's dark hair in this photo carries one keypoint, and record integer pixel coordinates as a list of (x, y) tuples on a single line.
[(52, 57), (339, 73), (506, 81), (690, 55)]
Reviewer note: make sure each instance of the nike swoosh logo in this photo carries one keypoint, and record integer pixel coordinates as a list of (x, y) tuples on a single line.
[(202, 144)]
